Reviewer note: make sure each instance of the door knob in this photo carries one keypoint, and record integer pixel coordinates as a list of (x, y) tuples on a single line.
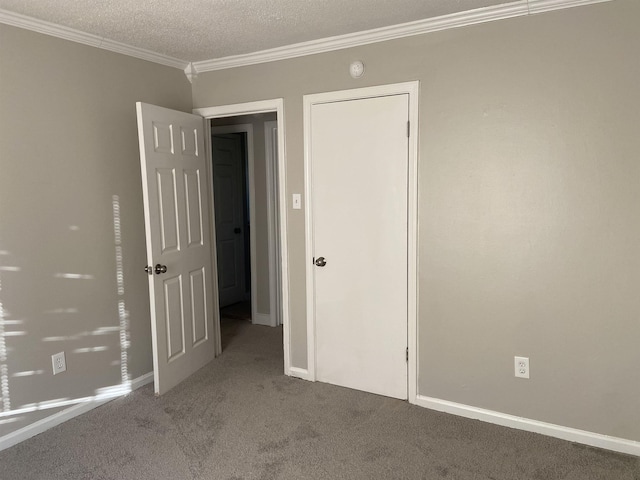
[(237, 230), (149, 269), (160, 269), (320, 262)]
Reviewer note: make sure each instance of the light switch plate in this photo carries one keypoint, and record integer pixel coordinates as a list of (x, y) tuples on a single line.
[(297, 201)]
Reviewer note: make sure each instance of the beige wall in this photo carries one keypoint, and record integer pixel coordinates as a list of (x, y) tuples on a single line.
[(261, 221), (529, 221), (529, 205), (69, 145)]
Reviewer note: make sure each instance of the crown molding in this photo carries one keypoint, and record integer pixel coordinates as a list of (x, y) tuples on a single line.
[(191, 73), (66, 33), (540, 6), (444, 22), (517, 8), (338, 42)]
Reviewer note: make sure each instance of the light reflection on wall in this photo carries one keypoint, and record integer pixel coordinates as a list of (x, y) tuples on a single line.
[(4, 369), (4, 421), (63, 310), (7, 415), (5, 332), (74, 276), (103, 348), (78, 336), (28, 374), (101, 394), (123, 314)]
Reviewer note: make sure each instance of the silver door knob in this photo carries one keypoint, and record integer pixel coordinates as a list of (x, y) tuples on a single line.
[(320, 262), (149, 269), (160, 269)]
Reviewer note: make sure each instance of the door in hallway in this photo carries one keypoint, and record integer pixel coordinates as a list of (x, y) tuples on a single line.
[(228, 161)]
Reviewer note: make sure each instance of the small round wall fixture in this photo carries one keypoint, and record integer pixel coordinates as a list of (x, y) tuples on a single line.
[(356, 69)]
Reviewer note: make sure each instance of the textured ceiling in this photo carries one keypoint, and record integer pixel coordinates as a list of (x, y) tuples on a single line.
[(196, 30)]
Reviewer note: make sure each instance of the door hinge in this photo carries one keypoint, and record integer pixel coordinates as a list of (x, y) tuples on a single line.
[(407, 354), (408, 128)]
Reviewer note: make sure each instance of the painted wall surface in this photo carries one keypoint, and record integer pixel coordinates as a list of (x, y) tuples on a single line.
[(529, 205), (260, 180), (71, 218)]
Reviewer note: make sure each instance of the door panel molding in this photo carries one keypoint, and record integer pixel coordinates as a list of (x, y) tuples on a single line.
[(411, 89)]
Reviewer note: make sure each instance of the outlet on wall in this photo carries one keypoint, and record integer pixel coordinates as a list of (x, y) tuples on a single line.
[(59, 363), (522, 367)]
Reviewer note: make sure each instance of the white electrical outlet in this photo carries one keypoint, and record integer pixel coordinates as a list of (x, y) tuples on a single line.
[(59, 363), (522, 367)]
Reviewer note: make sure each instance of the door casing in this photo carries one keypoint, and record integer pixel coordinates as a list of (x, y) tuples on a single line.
[(250, 108), (271, 156), (412, 89)]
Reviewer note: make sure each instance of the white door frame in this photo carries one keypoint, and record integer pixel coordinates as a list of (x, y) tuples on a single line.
[(247, 129), (249, 108), (271, 157), (410, 88)]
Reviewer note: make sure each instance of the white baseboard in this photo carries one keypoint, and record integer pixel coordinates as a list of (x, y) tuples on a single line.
[(261, 319), (300, 373), (51, 421), (565, 433), (141, 381)]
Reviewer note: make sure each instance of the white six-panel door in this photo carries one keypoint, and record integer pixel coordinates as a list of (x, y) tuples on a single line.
[(177, 221), (358, 169)]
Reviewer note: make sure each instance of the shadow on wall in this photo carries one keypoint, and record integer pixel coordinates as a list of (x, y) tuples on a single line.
[(12, 328)]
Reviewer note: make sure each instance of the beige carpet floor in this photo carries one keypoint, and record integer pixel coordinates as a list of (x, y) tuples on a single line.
[(240, 418)]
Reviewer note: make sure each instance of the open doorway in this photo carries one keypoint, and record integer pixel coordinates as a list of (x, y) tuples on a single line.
[(278, 249), (245, 202), (232, 217)]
